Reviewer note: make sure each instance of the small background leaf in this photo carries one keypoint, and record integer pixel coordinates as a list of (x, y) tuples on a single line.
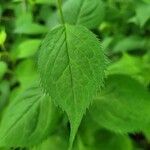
[(122, 105), (27, 48), (28, 120), (84, 12), (81, 12)]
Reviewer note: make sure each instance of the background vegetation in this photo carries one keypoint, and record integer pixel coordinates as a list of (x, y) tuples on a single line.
[(120, 119)]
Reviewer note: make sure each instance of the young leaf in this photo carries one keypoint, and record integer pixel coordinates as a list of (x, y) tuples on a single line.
[(71, 64), (123, 106), (28, 120)]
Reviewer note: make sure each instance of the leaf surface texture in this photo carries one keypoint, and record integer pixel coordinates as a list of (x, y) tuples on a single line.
[(71, 64), (28, 120)]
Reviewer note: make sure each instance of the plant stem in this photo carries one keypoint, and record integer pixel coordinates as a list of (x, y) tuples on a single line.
[(60, 11)]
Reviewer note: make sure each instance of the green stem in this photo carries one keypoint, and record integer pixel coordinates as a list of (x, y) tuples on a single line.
[(60, 11)]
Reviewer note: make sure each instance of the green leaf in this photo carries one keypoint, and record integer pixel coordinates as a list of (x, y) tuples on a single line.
[(123, 106), (29, 119), (81, 12), (25, 25), (28, 48), (102, 140), (56, 141), (105, 140), (106, 43), (26, 73), (137, 67), (143, 14), (94, 137), (127, 64), (84, 12), (129, 43), (32, 28), (71, 64)]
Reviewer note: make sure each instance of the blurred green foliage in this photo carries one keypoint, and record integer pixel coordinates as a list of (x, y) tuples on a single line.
[(123, 27)]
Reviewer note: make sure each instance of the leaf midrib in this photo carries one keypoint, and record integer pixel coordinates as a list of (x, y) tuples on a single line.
[(70, 67)]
